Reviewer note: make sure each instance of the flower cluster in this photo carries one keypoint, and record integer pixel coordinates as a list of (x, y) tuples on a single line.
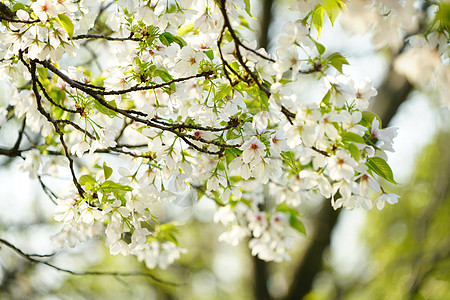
[(192, 110), (424, 59)]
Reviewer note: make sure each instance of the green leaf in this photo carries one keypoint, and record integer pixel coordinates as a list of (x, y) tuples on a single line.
[(320, 48), (18, 6), (209, 54), (367, 118), (107, 171), (348, 137), (293, 217), (333, 8), (104, 110), (223, 91), (164, 75), (326, 98), (166, 38), (297, 224), (111, 186), (263, 99), (381, 168), (185, 29), (337, 60), (289, 158), (317, 19), (354, 151), (43, 73), (65, 23), (86, 179), (179, 41)]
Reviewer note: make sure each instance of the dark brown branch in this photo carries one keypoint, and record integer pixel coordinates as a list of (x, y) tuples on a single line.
[(51, 195), (30, 258), (32, 69), (95, 94), (324, 153), (224, 63), (19, 138), (18, 21), (47, 96), (104, 37), (231, 124), (238, 43), (289, 115), (155, 86), (14, 151), (76, 126)]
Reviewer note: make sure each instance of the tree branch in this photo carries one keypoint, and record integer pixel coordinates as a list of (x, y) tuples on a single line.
[(30, 258)]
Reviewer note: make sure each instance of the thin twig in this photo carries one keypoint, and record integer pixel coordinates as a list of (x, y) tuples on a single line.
[(30, 258)]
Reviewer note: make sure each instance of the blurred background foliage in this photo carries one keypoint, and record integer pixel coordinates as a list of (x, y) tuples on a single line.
[(408, 243)]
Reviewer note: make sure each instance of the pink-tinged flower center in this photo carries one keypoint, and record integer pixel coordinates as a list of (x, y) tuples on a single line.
[(365, 177), (358, 95), (197, 133), (340, 161), (259, 218), (192, 60), (254, 146), (274, 140)]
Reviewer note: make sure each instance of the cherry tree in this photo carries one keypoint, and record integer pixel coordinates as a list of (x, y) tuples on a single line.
[(177, 104)]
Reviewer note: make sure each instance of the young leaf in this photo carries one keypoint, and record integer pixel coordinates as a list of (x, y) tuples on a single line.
[(297, 224), (263, 99), (164, 75), (381, 168), (223, 91), (333, 8), (354, 151), (107, 171), (86, 179), (111, 186), (179, 41), (65, 23), (337, 60), (352, 137), (185, 29), (317, 19), (288, 157), (326, 98), (367, 118), (209, 54), (320, 48), (293, 217), (166, 38)]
